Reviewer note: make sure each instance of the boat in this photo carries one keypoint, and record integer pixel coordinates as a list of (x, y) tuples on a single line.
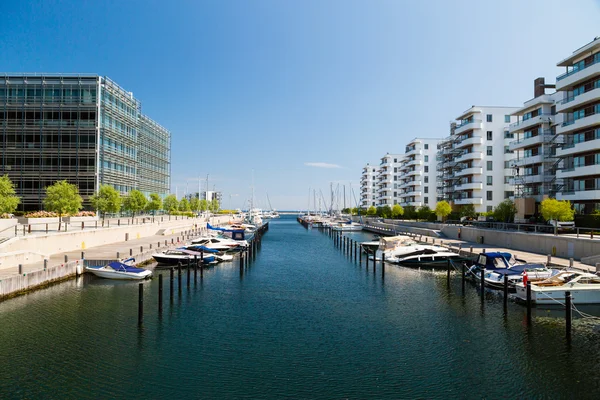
[(427, 257), (345, 226), (584, 288), (220, 243), (493, 260), (394, 246), (120, 270), (535, 272)]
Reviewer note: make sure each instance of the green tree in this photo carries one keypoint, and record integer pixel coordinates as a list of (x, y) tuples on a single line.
[(214, 205), (107, 200), (557, 210), (385, 211), (468, 210), (424, 213), (184, 205), (443, 209), (371, 211), (203, 205), (195, 204), (354, 211), (135, 202), (8, 197), (505, 211), (63, 198), (170, 203), (155, 203), (410, 212), (397, 211)]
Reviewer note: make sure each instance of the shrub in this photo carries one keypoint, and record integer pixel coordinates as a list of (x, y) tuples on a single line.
[(41, 214), (85, 214), (182, 213)]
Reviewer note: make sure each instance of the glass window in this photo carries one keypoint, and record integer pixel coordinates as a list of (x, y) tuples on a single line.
[(489, 150), (488, 117), (426, 189), (489, 195), (426, 179), (507, 119), (426, 146), (489, 180), (426, 158), (426, 200), (426, 169), (489, 135), (489, 165)]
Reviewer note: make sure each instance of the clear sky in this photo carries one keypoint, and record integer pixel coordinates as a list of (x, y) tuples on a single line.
[(298, 93)]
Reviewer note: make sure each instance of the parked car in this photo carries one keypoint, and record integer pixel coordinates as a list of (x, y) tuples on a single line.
[(562, 225)]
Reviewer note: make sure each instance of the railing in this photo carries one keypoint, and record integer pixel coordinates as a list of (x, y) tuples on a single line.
[(515, 124), (577, 69), (462, 125)]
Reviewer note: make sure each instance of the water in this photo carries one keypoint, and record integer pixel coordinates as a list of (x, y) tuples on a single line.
[(301, 322)]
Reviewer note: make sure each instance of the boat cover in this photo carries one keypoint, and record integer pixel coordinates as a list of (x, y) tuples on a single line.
[(203, 248), (209, 226), (120, 267), (517, 269)]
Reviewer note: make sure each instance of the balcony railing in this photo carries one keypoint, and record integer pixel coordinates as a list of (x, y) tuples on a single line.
[(523, 121), (577, 69)]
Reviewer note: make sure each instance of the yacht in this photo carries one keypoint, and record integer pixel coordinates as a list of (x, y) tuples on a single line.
[(584, 288)]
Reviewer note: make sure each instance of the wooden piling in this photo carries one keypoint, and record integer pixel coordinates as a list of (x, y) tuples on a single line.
[(448, 271), (382, 265), (188, 272), (529, 303), (568, 313), (172, 271), (505, 288), (140, 303), (463, 273), (482, 283), (179, 277), (160, 293)]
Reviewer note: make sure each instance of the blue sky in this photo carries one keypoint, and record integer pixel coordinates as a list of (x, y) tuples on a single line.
[(298, 93)]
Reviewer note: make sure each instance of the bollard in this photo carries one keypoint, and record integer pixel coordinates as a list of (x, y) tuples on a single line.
[(45, 263), (150, 246), (528, 303), (172, 271), (483, 250), (82, 255), (118, 255), (82, 225), (46, 228), (160, 293), (570, 263), (141, 249), (130, 252), (549, 261), (20, 269), (505, 290), (568, 313), (126, 236), (140, 303), (471, 250), (66, 259), (165, 242)]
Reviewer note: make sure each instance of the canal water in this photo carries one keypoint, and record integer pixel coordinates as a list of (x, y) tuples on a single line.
[(302, 321)]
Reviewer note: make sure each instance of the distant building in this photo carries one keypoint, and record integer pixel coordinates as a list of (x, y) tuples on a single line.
[(367, 187), (416, 177), (82, 128), (211, 195), (388, 193), (474, 162)]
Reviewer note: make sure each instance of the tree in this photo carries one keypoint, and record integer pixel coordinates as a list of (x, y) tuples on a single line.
[(424, 213), (107, 200), (397, 211), (214, 205), (443, 209), (354, 211), (371, 211), (170, 203), (557, 210), (184, 205), (8, 197), (384, 212), (63, 198), (468, 210), (135, 202), (505, 211), (155, 203), (203, 205), (195, 204), (410, 212)]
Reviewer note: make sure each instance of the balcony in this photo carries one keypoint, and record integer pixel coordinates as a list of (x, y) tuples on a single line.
[(578, 171), (573, 77), (581, 123), (469, 186), (531, 122), (414, 203), (571, 103), (529, 179), (470, 171), (537, 159), (413, 193), (578, 148), (414, 173), (530, 141), (413, 152), (579, 195), (467, 126), (469, 200), (473, 155), (469, 142), (417, 161)]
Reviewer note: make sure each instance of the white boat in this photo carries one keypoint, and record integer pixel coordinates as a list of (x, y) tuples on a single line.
[(428, 257), (120, 270), (345, 226), (220, 243), (393, 246), (584, 288)]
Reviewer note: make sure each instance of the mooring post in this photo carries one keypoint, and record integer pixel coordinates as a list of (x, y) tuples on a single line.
[(66, 259), (375, 261), (505, 290), (20, 269), (355, 250), (179, 277), (382, 265), (195, 268), (188, 272), (448, 271), (241, 260), (130, 252), (250, 251), (471, 250), (82, 255), (118, 255), (482, 283), (568, 313), (529, 303), (172, 271), (140, 303), (359, 255), (45, 263), (160, 293), (462, 272)]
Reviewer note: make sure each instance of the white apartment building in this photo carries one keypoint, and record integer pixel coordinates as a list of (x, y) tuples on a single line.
[(579, 104), (474, 162), (386, 183), (417, 177), (368, 192), (535, 145)]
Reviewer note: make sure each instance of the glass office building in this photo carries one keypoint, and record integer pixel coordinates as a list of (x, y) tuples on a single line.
[(82, 128)]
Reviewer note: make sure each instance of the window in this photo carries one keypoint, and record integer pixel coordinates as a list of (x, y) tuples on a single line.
[(426, 189), (507, 179), (426, 146), (489, 208), (395, 169), (489, 195), (489, 150), (508, 135), (508, 194), (506, 164), (426, 179), (395, 194), (507, 119), (426, 158), (489, 180), (395, 160), (507, 150), (426, 200), (489, 135), (488, 117), (426, 168), (489, 166)]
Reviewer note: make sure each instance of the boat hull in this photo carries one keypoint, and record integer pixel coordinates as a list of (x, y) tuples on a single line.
[(555, 296), (124, 276)]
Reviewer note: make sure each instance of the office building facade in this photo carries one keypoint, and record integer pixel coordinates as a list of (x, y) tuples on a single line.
[(81, 128)]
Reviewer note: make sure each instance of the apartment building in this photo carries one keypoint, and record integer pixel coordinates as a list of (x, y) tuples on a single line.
[(579, 105), (82, 128), (417, 174), (536, 142), (368, 192), (386, 182), (474, 162)]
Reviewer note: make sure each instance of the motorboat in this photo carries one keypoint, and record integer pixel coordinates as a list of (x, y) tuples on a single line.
[(584, 288), (346, 226), (493, 260), (515, 273), (427, 257), (120, 270), (394, 246), (220, 243)]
